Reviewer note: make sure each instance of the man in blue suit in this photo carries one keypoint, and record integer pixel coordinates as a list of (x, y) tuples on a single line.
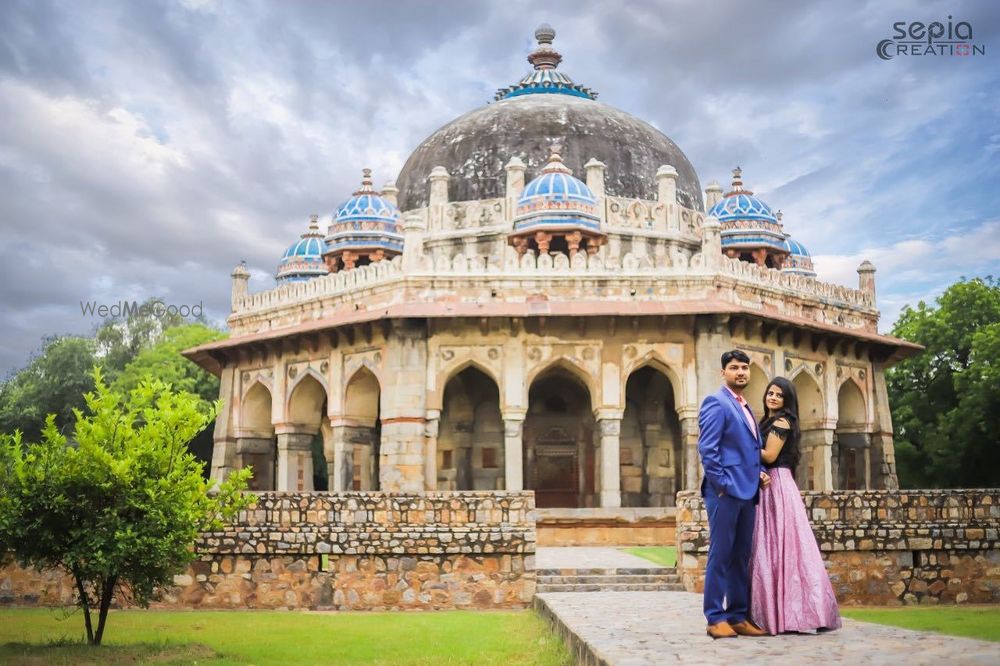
[(729, 444)]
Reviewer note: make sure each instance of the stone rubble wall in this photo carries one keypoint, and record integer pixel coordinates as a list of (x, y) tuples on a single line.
[(883, 547), (347, 551)]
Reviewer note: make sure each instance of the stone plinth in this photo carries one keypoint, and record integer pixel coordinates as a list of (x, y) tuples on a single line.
[(347, 551), (884, 547)]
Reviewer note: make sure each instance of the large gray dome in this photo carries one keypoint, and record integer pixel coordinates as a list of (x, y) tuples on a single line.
[(475, 147)]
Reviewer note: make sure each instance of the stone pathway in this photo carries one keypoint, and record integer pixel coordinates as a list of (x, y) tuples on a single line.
[(652, 628), (552, 557)]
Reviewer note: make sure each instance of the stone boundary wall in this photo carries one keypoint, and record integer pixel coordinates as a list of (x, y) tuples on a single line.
[(347, 551), (883, 547)]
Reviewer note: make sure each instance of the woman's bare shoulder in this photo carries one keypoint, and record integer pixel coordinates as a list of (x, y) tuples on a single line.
[(782, 423)]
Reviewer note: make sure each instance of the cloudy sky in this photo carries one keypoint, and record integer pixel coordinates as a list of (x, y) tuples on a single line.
[(148, 146)]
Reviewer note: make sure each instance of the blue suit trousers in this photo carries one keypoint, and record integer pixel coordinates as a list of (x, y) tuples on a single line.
[(727, 574)]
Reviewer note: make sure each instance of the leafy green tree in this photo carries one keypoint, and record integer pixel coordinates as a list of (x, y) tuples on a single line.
[(164, 361), (946, 401), (54, 382), (120, 509), (120, 339)]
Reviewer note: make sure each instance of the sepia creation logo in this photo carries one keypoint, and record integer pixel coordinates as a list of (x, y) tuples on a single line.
[(938, 38)]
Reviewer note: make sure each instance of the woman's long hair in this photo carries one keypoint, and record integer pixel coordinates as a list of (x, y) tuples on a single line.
[(790, 410)]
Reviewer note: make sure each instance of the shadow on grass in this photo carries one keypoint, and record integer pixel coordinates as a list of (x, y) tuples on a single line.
[(76, 652)]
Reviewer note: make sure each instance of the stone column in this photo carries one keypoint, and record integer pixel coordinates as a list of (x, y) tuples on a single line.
[(513, 453), (883, 453), (817, 455), (515, 185), (338, 452), (610, 428), (431, 429), (403, 409), (711, 243), (713, 194), (224, 459), (295, 468), (257, 452), (414, 227), (438, 196), (666, 181), (689, 446)]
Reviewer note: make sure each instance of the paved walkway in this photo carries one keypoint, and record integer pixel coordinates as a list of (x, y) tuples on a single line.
[(647, 628), (552, 557)]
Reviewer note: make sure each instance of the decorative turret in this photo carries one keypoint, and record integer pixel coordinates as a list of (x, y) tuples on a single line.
[(241, 278), (364, 230), (866, 277), (799, 262), (303, 260), (545, 78), (557, 212), (750, 231)]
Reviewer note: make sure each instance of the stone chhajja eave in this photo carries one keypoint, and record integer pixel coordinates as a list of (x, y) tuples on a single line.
[(209, 355)]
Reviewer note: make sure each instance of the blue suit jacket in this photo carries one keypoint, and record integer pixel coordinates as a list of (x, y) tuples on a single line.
[(730, 451)]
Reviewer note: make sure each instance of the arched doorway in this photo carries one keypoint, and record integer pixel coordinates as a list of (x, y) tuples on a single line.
[(363, 434), (852, 443), (470, 441), (559, 441), (256, 446), (811, 415), (306, 413), (754, 392), (650, 446)]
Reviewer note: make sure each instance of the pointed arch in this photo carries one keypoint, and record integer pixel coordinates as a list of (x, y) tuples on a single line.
[(754, 392), (851, 405), (650, 442), (255, 410), (811, 409), (307, 402), (470, 445), (571, 366), (656, 361), (455, 368), (361, 397)]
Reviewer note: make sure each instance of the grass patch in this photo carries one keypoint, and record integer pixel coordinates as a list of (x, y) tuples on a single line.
[(981, 622), (665, 556), (273, 637)]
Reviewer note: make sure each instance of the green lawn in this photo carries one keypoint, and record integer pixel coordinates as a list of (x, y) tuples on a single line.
[(970, 621), (665, 556), (41, 636)]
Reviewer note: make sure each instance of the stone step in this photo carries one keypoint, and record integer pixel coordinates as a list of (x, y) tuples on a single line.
[(611, 587), (590, 580), (623, 571)]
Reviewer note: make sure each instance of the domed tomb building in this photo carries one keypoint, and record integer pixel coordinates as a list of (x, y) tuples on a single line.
[(540, 302)]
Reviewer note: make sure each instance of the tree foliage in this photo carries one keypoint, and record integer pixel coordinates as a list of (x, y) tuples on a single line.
[(54, 382), (120, 507), (946, 401)]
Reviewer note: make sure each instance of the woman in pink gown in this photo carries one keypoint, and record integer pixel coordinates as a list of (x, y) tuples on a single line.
[(789, 587)]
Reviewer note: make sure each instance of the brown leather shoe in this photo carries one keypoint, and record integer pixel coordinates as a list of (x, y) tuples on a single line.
[(748, 628), (721, 630)]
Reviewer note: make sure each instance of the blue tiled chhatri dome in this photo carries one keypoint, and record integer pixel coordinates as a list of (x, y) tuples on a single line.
[(545, 78), (364, 230), (557, 206), (799, 261), (303, 260), (750, 230)]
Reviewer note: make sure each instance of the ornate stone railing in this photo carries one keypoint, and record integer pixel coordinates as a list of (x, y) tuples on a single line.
[(630, 215), (801, 285)]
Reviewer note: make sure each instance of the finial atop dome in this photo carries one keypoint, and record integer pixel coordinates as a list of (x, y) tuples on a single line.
[(545, 57), (545, 34), (313, 224), (738, 183), (544, 77), (555, 163), (366, 182)]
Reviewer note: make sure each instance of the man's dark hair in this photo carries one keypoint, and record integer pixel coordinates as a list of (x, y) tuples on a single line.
[(734, 354)]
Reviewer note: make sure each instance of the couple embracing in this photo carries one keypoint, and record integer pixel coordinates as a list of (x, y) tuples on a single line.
[(765, 574)]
